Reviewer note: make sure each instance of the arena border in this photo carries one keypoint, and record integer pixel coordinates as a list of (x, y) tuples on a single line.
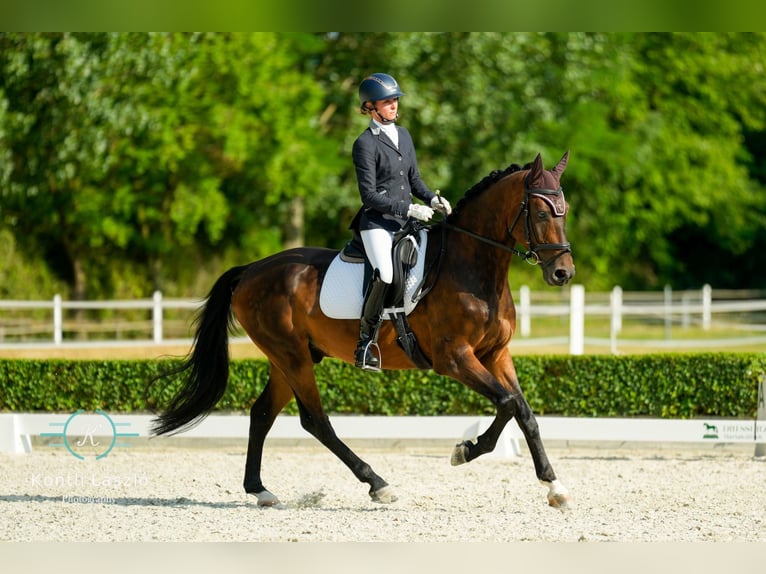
[(18, 429)]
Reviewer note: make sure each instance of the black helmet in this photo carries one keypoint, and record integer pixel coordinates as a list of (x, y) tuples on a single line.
[(378, 87)]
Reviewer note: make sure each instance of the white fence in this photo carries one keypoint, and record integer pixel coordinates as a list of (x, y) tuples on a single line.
[(42, 323), (23, 332), (733, 311)]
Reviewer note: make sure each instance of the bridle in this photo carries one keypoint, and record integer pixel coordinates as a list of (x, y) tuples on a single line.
[(555, 200)]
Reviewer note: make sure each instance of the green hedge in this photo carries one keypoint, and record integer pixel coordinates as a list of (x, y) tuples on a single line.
[(662, 385)]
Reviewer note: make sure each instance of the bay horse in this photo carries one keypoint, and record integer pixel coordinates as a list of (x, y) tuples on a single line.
[(463, 325)]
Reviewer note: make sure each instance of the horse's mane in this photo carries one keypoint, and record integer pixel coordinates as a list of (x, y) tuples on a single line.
[(486, 183)]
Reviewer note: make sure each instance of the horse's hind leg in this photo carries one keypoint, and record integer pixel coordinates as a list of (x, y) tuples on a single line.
[(315, 421), (264, 411)]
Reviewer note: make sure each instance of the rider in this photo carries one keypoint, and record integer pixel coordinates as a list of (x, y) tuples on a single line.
[(388, 176)]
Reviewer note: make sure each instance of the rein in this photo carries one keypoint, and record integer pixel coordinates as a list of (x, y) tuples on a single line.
[(531, 256), (526, 256)]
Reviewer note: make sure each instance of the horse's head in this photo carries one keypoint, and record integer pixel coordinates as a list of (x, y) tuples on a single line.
[(544, 211), (527, 207)]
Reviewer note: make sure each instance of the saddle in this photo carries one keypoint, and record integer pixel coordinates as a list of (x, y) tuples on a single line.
[(404, 255)]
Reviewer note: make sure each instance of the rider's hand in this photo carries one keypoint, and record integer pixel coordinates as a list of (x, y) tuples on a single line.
[(421, 212), (441, 205)]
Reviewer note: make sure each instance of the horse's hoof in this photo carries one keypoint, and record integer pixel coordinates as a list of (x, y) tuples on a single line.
[(558, 495), (384, 495), (560, 501), (265, 498), (459, 454)]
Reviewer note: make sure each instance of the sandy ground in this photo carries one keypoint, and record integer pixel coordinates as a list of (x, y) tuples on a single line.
[(156, 492), (238, 350)]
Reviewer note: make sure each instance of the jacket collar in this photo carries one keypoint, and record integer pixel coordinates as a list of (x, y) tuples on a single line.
[(376, 130)]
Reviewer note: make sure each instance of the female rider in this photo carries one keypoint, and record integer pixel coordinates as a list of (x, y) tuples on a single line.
[(388, 176)]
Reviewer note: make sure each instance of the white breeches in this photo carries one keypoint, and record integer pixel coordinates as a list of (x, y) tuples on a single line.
[(377, 244)]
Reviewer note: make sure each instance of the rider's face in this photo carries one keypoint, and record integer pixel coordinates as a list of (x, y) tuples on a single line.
[(386, 109)]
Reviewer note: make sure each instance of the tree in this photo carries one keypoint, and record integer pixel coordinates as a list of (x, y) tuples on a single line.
[(136, 161), (55, 136), (144, 152), (227, 147), (676, 169), (656, 124)]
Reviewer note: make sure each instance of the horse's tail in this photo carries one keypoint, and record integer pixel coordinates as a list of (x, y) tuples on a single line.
[(205, 372)]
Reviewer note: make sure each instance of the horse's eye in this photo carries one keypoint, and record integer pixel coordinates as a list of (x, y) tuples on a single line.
[(542, 215)]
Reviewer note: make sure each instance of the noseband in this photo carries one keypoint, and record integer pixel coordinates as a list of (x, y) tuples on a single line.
[(555, 199)]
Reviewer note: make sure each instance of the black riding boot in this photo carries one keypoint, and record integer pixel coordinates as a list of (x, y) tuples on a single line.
[(364, 357)]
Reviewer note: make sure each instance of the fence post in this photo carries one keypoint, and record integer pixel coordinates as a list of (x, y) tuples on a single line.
[(12, 437), (577, 320), (525, 310), (157, 316), (615, 300), (668, 312), (707, 305), (58, 320), (760, 447)]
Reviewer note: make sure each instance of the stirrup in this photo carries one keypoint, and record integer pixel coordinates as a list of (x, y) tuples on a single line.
[(368, 349)]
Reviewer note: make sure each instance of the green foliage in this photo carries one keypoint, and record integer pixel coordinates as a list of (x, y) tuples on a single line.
[(19, 273), (135, 161), (664, 386), (153, 148)]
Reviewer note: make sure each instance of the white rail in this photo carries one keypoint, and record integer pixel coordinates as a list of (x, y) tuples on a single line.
[(18, 429), (686, 308)]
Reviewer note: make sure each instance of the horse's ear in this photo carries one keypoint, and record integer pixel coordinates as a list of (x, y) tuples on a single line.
[(561, 166), (535, 176)]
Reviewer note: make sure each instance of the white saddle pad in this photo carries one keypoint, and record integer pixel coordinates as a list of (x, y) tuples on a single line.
[(341, 296)]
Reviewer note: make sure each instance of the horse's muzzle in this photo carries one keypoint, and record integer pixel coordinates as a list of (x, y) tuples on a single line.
[(561, 276), (559, 271)]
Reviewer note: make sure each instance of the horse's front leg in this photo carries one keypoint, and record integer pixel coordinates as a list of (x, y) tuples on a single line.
[(498, 381), (486, 442), (558, 495)]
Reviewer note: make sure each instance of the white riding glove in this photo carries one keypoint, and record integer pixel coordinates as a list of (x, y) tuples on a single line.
[(421, 212), (441, 204)]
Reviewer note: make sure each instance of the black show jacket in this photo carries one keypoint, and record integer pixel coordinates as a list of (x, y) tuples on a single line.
[(388, 178)]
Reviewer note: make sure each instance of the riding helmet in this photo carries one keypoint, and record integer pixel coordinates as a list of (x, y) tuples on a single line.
[(378, 87)]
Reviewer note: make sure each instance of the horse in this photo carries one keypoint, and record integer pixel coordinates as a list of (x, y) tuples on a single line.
[(463, 326)]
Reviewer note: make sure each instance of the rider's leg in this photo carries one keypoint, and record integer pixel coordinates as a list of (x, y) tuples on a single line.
[(377, 245)]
